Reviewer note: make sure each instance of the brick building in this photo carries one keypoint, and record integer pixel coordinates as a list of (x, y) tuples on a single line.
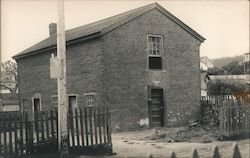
[(143, 63)]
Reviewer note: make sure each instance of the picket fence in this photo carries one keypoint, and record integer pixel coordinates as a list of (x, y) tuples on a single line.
[(88, 128), (215, 154), (231, 113)]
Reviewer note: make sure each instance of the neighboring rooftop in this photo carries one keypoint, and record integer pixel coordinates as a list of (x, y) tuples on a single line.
[(9, 99), (101, 27)]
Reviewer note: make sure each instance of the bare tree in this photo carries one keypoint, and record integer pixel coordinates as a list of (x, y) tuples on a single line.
[(9, 73)]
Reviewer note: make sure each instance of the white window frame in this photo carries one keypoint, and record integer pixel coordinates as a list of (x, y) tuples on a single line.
[(56, 96), (36, 96), (160, 47), (93, 95)]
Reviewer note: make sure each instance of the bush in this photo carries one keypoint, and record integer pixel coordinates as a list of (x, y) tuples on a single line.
[(223, 87)]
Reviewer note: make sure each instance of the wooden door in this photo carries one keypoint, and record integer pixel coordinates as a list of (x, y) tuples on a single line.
[(156, 108)]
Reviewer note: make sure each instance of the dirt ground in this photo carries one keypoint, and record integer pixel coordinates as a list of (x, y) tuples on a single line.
[(134, 144)]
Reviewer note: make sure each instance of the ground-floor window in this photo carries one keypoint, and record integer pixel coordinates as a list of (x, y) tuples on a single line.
[(90, 98), (72, 101)]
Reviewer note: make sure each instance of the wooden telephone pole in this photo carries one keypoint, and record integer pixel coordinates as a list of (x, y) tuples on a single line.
[(62, 88)]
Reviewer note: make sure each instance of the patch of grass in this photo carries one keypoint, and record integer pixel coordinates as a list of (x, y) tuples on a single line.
[(191, 134)]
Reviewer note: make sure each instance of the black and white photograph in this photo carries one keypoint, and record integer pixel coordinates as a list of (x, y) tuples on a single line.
[(124, 79)]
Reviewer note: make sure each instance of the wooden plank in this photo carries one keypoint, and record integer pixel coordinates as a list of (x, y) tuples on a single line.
[(26, 133), (56, 121), (81, 125), (109, 126), (104, 125), (15, 133), (100, 125), (77, 127), (1, 130), (47, 125), (52, 125), (21, 132), (86, 126), (36, 126), (71, 122), (42, 124), (31, 134), (4, 133), (91, 126), (95, 126), (10, 133)]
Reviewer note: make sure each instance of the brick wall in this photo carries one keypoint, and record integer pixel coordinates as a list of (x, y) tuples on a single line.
[(128, 76), (84, 74), (115, 67)]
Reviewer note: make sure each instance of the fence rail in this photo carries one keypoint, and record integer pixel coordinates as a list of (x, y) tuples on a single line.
[(87, 127)]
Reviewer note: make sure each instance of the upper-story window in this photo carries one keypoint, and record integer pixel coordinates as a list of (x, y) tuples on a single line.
[(154, 45)]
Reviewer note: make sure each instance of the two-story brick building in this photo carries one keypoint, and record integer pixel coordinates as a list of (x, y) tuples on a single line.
[(143, 63)]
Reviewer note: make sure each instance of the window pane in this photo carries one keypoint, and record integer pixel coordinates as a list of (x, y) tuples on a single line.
[(150, 39), (155, 63), (157, 52), (90, 100), (154, 45), (157, 40)]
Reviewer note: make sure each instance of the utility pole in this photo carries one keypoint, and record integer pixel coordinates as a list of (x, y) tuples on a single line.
[(62, 88)]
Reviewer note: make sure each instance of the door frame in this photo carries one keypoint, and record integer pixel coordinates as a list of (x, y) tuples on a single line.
[(36, 96), (149, 106)]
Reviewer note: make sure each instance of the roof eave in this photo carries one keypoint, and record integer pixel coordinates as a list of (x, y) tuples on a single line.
[(77, 40), (180, 23)]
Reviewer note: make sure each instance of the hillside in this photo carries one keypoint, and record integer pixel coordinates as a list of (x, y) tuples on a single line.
[(220, 62)]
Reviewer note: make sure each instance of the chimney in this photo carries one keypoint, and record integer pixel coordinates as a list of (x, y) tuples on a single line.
[(52, 29)]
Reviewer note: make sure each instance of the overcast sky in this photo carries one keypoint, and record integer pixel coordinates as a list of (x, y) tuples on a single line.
[(224, 24)]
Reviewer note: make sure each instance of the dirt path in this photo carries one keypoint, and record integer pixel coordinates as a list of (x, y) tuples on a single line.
[(134, 144)]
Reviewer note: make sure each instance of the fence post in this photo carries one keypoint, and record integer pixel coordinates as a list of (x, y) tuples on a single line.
[(236, 153), (195, 154), (10, 133), (21, 132), (95, 125), (86, 126), (91, 126), (77, 127), (81, 123), (216, 153), (100, 125), (16, 139), (71, 122), (173, 155)]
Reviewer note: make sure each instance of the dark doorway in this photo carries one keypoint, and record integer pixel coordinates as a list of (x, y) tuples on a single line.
[(37, 104), (156, 108), (72, 102)]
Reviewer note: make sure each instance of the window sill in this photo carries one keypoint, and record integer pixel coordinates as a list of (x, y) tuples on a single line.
[(163, 70)]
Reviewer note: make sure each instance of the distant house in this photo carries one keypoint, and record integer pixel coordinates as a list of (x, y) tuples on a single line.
[(9, 102), (7, 82), (206, 63), (246, 57), (143, 64), (204, 81)]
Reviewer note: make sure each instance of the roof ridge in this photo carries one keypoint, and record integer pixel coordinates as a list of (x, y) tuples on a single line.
[(98, 28), (126, 12)]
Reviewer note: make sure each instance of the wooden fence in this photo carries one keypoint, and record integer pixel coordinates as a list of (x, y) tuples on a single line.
[(216, 154), (231, 113), (88, 128)]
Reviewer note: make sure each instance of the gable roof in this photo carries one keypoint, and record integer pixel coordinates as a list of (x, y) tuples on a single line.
[(101, 27), (204, 74), (9, 99)]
